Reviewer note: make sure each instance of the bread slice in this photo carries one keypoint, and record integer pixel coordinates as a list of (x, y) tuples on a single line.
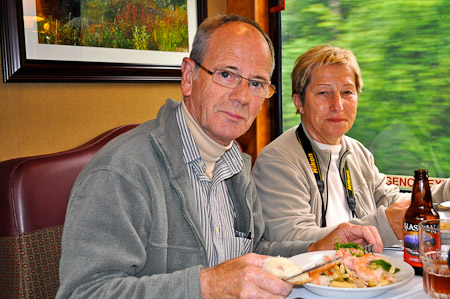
[(284, 268), (300, 279)]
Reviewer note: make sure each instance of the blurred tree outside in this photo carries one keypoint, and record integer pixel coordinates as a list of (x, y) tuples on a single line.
[(403, 49)]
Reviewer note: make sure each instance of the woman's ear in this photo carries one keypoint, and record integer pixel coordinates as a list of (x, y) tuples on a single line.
[(187, 76), (298, 102)]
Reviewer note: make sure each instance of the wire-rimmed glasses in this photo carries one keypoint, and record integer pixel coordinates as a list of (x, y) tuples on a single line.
[(230, 79)]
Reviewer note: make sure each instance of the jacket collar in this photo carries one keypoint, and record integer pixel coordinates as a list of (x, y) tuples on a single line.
[(166, 139)]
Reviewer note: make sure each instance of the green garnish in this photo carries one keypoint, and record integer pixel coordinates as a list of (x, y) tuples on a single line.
[(348, 245), (385, 265), (358, 250)]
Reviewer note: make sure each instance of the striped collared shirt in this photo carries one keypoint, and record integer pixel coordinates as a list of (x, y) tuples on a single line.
[(212, 198)]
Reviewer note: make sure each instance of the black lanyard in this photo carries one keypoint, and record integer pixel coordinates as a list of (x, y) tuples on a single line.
[(315, 167)]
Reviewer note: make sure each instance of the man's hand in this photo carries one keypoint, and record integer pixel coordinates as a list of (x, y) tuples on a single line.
[(242, 277), (395, 214), (345, 232)]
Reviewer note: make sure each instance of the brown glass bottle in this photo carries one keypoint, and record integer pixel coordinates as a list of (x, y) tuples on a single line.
[(421, 208)]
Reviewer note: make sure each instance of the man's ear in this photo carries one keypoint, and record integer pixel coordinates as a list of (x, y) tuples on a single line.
[(187, 76), (298, 103)]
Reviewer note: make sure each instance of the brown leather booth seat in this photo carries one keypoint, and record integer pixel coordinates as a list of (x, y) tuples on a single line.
[(34, 192)]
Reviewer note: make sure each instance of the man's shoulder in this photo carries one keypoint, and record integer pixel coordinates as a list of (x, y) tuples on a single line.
[(123, 148), (139, 145)]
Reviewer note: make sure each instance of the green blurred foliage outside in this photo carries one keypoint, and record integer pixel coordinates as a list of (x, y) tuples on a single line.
[(403, 49)]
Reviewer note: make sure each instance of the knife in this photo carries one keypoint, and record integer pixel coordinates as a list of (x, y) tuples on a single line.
[(314, 267)]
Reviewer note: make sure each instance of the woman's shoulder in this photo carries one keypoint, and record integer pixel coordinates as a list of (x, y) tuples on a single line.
[(284, 148), (355, 147), (286, 142)]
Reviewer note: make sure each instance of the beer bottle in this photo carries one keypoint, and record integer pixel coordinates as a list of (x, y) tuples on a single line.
[(421, 208)]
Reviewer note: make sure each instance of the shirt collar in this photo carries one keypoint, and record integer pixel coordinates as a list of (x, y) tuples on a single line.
[(232, 157)]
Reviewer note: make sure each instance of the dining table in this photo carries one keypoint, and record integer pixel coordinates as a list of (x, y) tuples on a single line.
[(411, 290)]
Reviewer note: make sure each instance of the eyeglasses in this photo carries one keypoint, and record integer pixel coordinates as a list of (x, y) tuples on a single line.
[(227, 78)]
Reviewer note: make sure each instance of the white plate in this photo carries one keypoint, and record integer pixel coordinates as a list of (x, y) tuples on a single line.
[(310, 259)]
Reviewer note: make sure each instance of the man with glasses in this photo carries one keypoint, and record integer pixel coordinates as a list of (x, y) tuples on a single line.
[(230, 79), (169, 210)]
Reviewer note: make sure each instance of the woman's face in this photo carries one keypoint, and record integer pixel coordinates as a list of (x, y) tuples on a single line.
[(330, 104)]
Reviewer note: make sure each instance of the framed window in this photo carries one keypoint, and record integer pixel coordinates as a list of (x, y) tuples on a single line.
[(403, 49)]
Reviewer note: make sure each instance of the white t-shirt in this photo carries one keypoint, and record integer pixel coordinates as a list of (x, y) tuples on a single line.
[(337, 211)]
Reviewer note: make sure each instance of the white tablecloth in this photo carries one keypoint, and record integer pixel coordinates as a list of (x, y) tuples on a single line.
[(444, 214), (412, 290)]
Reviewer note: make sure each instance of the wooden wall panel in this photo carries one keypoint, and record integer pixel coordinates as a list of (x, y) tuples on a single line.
[(259, 134)]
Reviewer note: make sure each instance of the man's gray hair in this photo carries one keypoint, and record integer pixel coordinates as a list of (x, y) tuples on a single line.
[(207, 28)]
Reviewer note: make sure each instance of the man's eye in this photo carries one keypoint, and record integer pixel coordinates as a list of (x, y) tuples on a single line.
[(257, 84), (227, 75)]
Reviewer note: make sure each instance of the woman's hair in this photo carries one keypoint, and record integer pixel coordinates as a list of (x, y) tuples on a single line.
[(207, 28), (322, 55)]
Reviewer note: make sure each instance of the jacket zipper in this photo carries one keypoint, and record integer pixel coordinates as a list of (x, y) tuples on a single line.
[(191, 225)]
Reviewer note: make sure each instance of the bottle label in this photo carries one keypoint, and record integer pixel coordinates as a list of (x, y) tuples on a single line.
[(411, 242)]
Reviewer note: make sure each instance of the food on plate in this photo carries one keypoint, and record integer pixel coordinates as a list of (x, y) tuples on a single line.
[(355, 269), (284, 268)]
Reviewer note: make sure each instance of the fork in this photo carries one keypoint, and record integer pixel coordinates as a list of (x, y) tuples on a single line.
[(368, 248)]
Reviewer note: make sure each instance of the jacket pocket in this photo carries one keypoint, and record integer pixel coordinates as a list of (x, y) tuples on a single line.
[(243, 245), (365, 204)]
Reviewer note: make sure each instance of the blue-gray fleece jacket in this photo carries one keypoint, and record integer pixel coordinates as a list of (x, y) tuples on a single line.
[(132, 228)]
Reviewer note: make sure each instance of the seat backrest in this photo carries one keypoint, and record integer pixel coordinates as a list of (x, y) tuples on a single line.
[(34, 193)]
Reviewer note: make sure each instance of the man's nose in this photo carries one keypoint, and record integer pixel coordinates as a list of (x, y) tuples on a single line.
[(242, 92)]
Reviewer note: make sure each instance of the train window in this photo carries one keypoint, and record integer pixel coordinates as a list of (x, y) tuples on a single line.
[(403, 49)]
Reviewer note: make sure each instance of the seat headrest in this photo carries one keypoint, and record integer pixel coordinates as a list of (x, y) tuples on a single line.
[(34, 191)]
